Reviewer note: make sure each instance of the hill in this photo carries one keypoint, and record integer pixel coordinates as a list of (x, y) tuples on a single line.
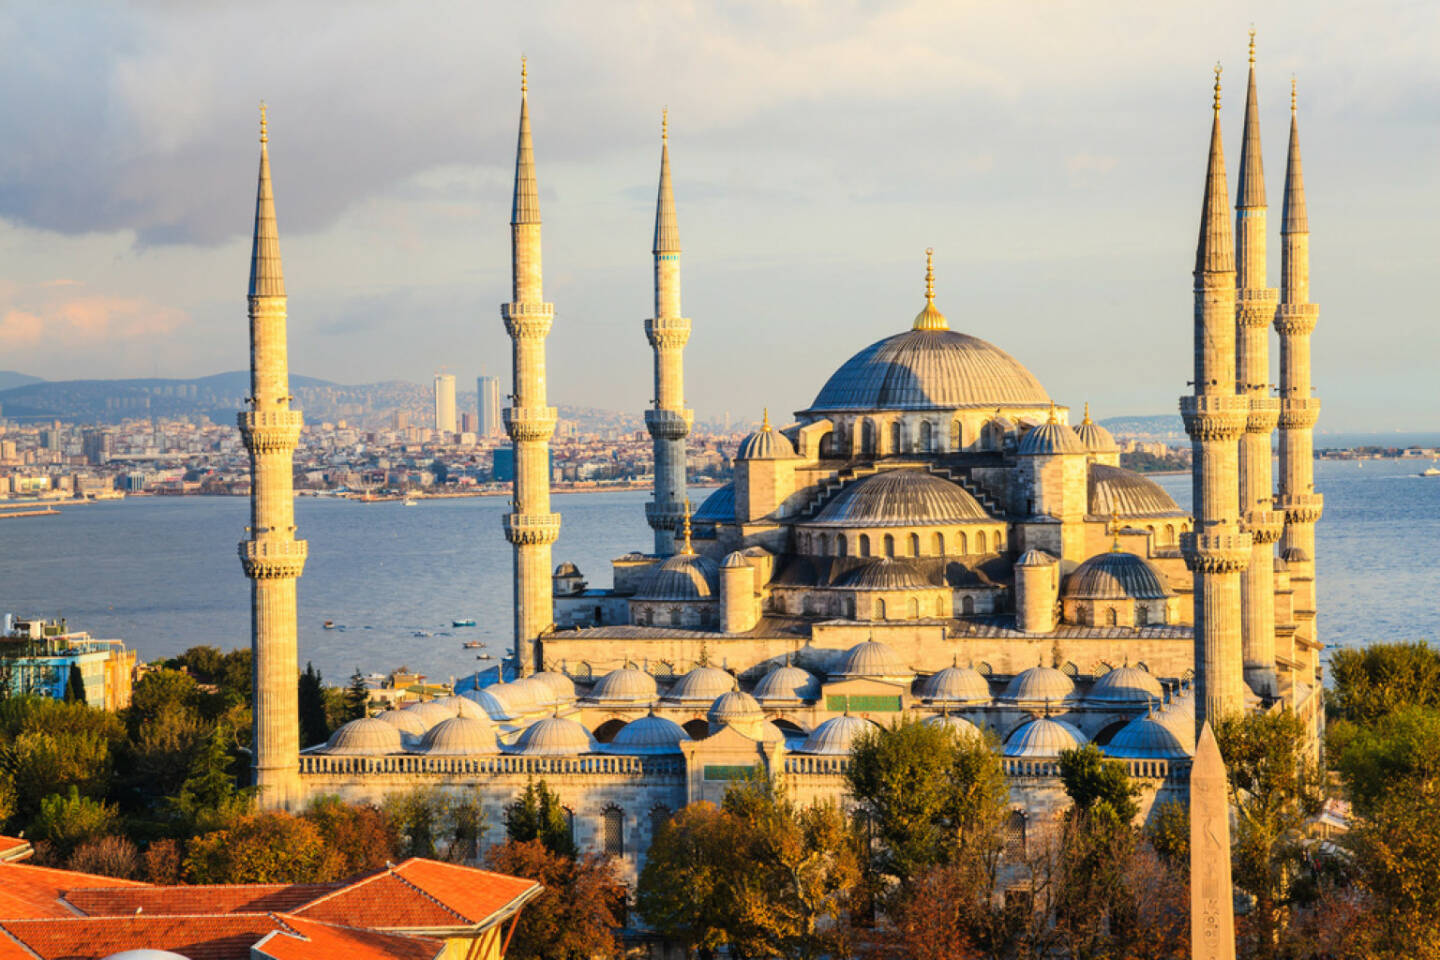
[(1162, 425), (11, 378)]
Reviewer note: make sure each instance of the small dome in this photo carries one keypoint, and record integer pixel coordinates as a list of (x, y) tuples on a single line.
[(733, 560), (887, 573), (1116, 575), (1115, 491), (553, 737), (1147, 737), (1043, 737), (836, 736), (766, 444), (649, 736), (562, 688), (626, 685), (956, 685), (787, 684), (1126, 684), (532, 690), (403, 720), (1095, 437), (494, 702), (366, 736), (1040, 684), (145, 953), (566, 569), (1035, 558), (460, 737), (735, 706), (1049, 439), (1179, 722), (905, 498), (961, 726), (872, 659), (719, 507), (1183, 703), (463, 707), (685, 576), (701, 685), (431, 712), (517, 697)]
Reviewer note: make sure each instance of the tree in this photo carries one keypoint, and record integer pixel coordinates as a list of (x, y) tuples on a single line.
[(75, 685), (1377, 680), (271, 847), (202, 661), (69, 819), (1098, 786), (539, 815), (208, 798), (357, 697), (314, 725), (161, 862), (685, 893), (432, 822), (575, 916), (109, 856), (360, 836), (1274, 789), (158, 691), (1169, 833)]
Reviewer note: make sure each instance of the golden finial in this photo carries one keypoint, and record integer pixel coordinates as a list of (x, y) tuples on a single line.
[(930, 318), (665, 125), (688, 548), (524, 77), (765, 420), (1252, 44), (1218, 69), (1087, 421), (1052, 413), (930, 274), (1292, 93), (264, 123), (1113, 528)]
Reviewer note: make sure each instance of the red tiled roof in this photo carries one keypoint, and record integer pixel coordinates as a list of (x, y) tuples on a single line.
[(418, 894), (216, 899), (225, 937), (14, 848), (27, 891), (313, 940)]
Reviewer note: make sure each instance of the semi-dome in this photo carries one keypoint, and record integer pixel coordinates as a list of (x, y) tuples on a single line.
[(735, 706), (787, 684), (719, 507), (836, 736), (887, 573), (872, 659), (961, 726), (1095, 437), (1039, 684), (956, 685), (1115, 491), (900, 498), (685, 576), (460, 737), (430, 712), (462, 707), (566, 569), (1126, 684), (626, 685), (364, 737), (554, 737), (929, 370), (649, 736), (766, 443), (494, 702), (1050, 438), (403, 720), (1116, 575), (1145, 738), (701, 685), (562, 688), (1043, 737)]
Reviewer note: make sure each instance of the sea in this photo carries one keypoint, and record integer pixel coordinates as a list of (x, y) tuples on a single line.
[(162, 574)]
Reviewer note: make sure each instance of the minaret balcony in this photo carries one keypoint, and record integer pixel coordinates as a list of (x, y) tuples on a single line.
[(665, 516), (1299, 413), (669, 424), (1222, 549), (1264, 414), (1255, 306), (1216, 416), (270, 431), (667, 332), (1301, 507), (529, 423), (527, 321), (1264, 526), (273, 559), (532, 528), (1296, 319)]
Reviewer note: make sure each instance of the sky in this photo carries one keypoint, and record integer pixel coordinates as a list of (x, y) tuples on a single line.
[(1052, 153)]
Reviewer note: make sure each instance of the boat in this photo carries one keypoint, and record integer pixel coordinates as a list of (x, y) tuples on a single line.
[(422, 633), (473, 644), (409, 502), (484, 656), (329, 624), (467, 622), (1430, 472)]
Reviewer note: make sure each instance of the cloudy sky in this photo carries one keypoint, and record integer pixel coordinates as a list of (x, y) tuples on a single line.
[(1053, 154)]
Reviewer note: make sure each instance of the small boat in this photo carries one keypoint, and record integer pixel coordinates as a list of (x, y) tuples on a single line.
[(1430, 472), (462, 623), (329, 624), (484, 656), (473, 644), (409, 502), (422, 633)]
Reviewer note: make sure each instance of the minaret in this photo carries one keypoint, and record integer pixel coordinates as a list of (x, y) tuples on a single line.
[(1254, 311), (667, 419), (1295, 321), (272, 557), (1217, 551), (530, 525)]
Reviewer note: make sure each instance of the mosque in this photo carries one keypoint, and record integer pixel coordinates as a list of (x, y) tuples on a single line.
[(931, 536)]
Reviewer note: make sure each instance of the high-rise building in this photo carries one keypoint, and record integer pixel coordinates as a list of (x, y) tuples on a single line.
[(97, 445), (467, 422), (445, 402), (488, 390)]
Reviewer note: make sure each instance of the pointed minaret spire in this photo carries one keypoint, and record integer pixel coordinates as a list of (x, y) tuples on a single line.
[(1215, 253), (1250, 192), (526, 206), (267, 279), (1294, 219), (667, 233)]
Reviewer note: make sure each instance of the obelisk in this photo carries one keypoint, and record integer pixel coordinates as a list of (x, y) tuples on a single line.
[(1212, 898)]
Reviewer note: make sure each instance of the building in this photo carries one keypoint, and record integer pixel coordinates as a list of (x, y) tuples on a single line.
[(488, 391), (445, 403), (468, 422), (43, 658), (929, 536)]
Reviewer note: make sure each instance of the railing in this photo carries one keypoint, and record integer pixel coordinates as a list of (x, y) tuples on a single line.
[(598, 765), (817, 766), (1136, 768)]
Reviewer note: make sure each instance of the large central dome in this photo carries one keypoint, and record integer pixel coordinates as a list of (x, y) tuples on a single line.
[(930, 369)]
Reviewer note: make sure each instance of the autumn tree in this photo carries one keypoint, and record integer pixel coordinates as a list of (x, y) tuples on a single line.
[(577, 913), (437, 823), (271, 847), (360, 836), (686, 890)]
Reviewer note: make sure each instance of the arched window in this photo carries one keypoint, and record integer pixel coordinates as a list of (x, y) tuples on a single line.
[(896, 435), (1169, 533), (810, 608), (840, 545), (937, 544), (612, 841), (939, 606), (879, 609), (659, 816), (697, 728), (1070, 670), (914, 544), (962, 542), (889, 545), (927, 434), (967, 605), (864, 544), (1110, 617), (999, 540), (675, 617), (980, 542), (1015, 835), (827, 446), (914, 609), (954, 436), (607, 730), (569, 824), (867, 436), (1142, 615), (824, 544)]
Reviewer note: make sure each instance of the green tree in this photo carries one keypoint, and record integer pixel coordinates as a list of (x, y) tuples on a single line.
[(539, 815), (1373, 681), (314, 725), (201, 661), (68, 820), (159, 691), (1169, 833), (1099, 787), (208, 798), (1274, 789), (272, 847), (75, 685), (236, 676), (686, 893), (577, 913), (357, 697)]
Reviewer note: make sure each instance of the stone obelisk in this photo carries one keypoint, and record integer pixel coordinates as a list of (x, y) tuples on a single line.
[(1212, 900)]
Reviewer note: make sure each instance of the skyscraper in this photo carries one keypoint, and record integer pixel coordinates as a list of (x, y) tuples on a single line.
[(445, 402), (488, 390)]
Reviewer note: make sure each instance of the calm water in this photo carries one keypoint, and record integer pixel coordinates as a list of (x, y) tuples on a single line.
[(162, 573)]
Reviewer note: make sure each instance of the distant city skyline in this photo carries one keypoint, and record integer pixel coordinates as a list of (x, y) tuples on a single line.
[(1052, 158)]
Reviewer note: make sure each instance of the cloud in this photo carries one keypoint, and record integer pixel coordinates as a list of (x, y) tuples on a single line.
[(54, 317)]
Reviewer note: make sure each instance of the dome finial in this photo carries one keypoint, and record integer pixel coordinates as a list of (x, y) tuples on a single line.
[(1292, 94), (1052, 413), (765, 419), (930, 274), (1087, 421), (1113, 528), (524, 76), (264, 123), (930, 318), (1218, 70), (1252, 44), (664, 124), (688, 549)]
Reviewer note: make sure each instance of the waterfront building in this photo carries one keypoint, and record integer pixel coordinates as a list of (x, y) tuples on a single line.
[(445, 403), (43, 658)]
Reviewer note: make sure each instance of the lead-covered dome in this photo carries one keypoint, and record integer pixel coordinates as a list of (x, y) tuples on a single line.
[(701, 685), (460, 737), (1115, 491), (788, 684), (685, 576), (403, 720), (929, 370), (766, 444), (626, 685), (1043, 737), (900, 498), (554, 737), (957, 685), (959, 725), (364, 737), (734, 707), (1049, 439), (872, 659), (462, 707), (431, 712), (1126, 684), (562, 688), (649, 736), (1095, 437), (1116, 575), (836, 736), (886, 573), (1148, 738), (1040, 684)]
